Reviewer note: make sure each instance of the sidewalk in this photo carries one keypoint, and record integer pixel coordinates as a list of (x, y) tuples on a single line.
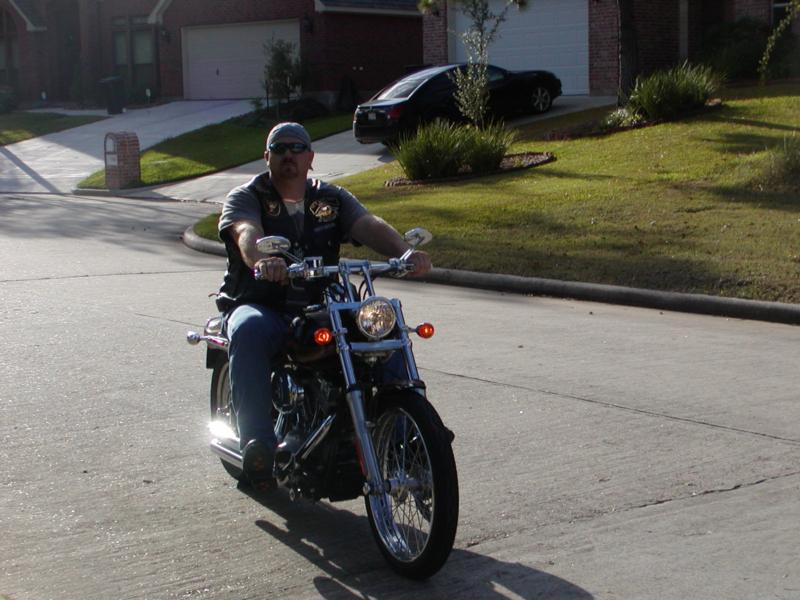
[(57, 162), (336, 156)]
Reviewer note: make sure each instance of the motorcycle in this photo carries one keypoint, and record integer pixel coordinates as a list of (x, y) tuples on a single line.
[(352, 426)]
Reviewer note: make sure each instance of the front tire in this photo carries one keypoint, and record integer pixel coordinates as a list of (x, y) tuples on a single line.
[(222, 407), (414, 523), (541, 100)]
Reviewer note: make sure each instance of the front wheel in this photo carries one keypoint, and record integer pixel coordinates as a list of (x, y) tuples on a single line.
[(541, 100), (415, 522)]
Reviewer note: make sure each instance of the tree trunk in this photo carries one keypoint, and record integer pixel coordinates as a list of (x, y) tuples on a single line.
[(628, 50)]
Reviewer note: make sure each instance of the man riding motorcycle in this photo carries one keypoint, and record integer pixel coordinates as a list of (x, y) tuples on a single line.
[(316, 217)]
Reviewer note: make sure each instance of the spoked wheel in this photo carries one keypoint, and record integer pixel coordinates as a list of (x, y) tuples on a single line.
[(541, 100), (415, 521), (222, 407)]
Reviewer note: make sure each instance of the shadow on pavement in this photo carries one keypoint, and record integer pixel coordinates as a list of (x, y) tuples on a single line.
[(22, 166), (340, 543)]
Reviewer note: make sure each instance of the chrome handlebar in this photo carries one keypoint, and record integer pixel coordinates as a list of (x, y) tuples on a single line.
[(312, 268)]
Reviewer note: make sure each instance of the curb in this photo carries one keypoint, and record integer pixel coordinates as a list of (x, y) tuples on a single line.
[(140, 193), (775, 312), (201, 244)]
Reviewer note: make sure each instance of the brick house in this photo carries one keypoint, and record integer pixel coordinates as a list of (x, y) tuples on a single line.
[(579, 39), (201, 49)]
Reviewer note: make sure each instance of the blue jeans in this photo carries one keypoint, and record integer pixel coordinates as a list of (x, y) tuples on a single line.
[(256, 335)]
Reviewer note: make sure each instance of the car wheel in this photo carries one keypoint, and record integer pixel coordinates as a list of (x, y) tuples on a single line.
[(541, 100)]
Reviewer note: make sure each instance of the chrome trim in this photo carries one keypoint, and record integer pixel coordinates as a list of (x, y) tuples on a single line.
[(214, 326), (220, 343), (382, 346), (411, 363), (316, 438), (225, 453), (373, 472)]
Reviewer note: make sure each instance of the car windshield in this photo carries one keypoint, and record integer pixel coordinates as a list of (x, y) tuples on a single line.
[(405, 86)]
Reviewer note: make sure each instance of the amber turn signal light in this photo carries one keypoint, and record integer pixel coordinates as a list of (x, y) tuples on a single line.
[(425, 330), (323, 336)]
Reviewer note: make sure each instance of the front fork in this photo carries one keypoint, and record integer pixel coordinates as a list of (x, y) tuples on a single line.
[(366, 450), (367, 457)]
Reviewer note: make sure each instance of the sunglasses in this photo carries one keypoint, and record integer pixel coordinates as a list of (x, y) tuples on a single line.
[(282, 147)]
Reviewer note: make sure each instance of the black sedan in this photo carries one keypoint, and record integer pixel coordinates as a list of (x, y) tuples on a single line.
[(428, 94)]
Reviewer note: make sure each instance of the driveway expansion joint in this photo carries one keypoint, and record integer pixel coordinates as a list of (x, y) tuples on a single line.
[(640, 411), (738, 486)]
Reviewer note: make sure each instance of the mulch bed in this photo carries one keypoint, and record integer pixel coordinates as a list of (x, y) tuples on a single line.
[(510, 162)]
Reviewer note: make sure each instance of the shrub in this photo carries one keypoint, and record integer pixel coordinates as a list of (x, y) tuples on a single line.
[(8, 100), (437, 150), (284, 71), (300, 110), (304, 109), (484, 149), (668, 94), (782, 168), (622, 117), (735, 49), (443, 149)]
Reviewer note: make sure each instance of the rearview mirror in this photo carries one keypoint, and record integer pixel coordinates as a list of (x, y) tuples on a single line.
[(419, 236), (273, 244)]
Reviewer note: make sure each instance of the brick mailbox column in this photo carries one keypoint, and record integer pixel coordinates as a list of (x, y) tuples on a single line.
[(122, 160)]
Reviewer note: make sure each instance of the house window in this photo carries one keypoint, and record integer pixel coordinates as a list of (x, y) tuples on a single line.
[(134, 46), (779, 10), (9, 49)]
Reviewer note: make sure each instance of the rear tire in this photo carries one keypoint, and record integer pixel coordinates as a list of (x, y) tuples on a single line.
[(415, 523), (222, 407)]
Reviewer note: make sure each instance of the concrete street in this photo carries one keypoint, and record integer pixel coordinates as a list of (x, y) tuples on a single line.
[(604, 452)]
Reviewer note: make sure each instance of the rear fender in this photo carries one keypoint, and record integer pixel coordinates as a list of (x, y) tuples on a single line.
[(215, 356)]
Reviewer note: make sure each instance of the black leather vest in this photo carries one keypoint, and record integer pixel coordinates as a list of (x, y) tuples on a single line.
[(321, 236)]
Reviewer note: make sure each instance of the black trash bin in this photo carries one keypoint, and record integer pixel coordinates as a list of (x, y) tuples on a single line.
[(114, 91)]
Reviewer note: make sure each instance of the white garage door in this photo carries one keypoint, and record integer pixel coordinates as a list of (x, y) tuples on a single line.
[(546, 34), (227, 61)]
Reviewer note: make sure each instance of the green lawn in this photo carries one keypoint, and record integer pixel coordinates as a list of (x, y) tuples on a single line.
[(19, 126), (213, 148), (675, 206)]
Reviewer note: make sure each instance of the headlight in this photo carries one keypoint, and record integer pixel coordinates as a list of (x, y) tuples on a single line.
[(375, 318)]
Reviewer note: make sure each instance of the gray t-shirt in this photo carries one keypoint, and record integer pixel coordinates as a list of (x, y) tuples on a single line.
[(242, 203)]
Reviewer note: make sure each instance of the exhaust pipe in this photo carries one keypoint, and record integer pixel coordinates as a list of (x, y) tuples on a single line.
[(226, 453)]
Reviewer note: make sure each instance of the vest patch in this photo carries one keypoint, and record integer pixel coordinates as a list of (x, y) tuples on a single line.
[(324, 212), (273, 208)]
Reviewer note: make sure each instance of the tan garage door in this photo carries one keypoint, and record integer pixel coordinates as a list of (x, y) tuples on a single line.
[(227, 61)]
